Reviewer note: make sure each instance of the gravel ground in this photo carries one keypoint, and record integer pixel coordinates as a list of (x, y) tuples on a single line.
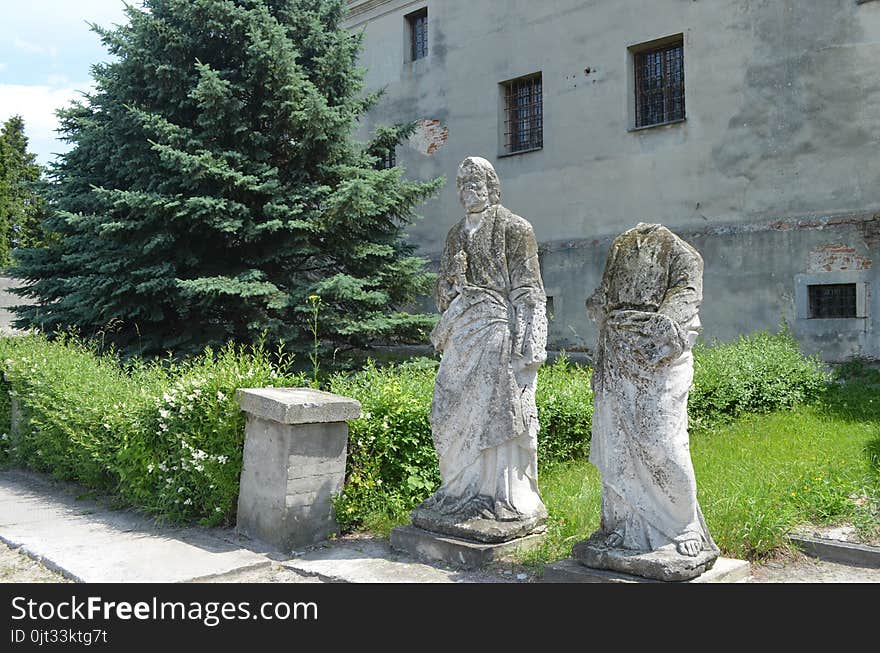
[(17, 567)]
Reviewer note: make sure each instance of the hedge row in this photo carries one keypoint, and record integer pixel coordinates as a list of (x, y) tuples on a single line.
[(167, 436)]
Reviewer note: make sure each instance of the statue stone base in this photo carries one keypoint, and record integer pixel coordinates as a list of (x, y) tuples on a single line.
[(490, 531), (569, 570), (455, 551), (665, 563)]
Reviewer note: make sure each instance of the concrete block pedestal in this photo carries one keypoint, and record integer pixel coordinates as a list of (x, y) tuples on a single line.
[(465, 554), (293, 463)]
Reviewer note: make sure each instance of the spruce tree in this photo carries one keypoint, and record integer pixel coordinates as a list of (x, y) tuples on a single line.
[(214, 191), (21, 207)]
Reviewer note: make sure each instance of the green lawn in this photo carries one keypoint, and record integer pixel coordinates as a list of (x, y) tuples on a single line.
[(757, 477)]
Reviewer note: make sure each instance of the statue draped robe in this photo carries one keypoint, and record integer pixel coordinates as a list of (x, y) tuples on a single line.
[(646, 309), (483, 417)]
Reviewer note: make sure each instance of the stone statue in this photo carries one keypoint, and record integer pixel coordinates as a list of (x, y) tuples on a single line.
[(492, 335), (646, 310)]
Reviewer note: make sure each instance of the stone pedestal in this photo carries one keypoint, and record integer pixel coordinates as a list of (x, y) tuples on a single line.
[(455, 551), (664, 564), (725, 570), (294, 462)]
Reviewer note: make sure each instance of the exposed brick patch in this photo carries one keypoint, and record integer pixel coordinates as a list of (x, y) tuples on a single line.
[(836, 257), (429, 136)]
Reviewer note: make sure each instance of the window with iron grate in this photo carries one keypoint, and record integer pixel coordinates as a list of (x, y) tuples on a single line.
[(389, 160), (832, 300), (418, 34), (659, 84), (523, 114)]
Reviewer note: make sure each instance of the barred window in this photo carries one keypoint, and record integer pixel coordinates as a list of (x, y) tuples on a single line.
[(832, 300), (388, 160), (418, 34), (523, 114), (659, 84)]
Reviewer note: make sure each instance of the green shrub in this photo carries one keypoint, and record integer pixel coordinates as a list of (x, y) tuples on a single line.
[(756, 374), (163, 436), (565, 411), (392, 464)]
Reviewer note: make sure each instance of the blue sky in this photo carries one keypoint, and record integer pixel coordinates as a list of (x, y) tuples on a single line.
[(46, 50)]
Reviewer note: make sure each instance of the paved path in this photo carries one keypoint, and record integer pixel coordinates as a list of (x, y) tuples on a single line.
[(84, 540)]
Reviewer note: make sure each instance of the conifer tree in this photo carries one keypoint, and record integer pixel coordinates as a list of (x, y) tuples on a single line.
[(214, 189), (21, 207)]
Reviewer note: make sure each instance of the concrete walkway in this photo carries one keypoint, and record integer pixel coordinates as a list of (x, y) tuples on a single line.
[(85, 540)]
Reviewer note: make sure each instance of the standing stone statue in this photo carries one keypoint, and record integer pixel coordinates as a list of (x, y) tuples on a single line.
[(492, 334), (646, 310)]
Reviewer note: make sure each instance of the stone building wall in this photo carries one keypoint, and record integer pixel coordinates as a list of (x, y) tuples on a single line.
[(773, 174)]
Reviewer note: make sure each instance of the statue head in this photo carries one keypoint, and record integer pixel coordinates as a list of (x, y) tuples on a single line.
[(478, 184)]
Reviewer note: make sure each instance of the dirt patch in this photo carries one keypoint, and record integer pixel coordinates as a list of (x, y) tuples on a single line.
[(17, 567), (795, 567)]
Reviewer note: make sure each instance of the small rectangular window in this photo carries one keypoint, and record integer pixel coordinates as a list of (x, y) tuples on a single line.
[(523, 114), (389, 160), (418, 34), (550, 309), (833, 300), (659, 84)]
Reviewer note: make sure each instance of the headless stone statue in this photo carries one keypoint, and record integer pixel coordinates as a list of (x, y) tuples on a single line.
[(492, 334), (646, 310)]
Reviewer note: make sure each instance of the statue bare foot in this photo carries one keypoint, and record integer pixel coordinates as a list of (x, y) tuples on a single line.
[(614, 540), (690, 547)]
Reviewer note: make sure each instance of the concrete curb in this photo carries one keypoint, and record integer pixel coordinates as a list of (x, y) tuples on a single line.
[(861, 555)]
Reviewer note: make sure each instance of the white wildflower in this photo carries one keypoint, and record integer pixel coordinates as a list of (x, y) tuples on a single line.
[(163, 413), (221, 396), (150, 468), (180, 489), (187, 502), (222, 459)]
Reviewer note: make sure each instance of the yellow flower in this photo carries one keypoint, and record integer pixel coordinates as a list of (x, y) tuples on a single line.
[(314, 298)]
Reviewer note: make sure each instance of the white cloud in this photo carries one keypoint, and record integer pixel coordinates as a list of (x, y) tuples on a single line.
[(3, 67), (37, 105), (34, 48), (56, 81)]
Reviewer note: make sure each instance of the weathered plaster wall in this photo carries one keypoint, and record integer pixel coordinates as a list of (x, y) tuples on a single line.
[(783, 125)]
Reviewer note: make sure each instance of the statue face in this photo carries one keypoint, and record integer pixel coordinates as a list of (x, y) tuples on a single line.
[(472, 190)]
